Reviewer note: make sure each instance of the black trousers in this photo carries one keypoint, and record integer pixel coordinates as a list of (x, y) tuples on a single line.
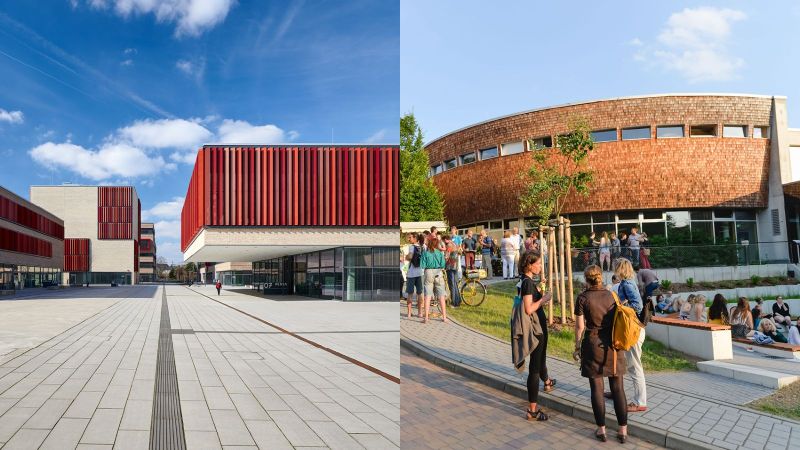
[(537, 368), (599, 403)]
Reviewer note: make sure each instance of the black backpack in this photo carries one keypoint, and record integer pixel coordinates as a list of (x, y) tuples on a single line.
[(415, 257)]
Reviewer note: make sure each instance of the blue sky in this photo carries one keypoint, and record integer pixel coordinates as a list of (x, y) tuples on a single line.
[(124, 92), (467, 61)]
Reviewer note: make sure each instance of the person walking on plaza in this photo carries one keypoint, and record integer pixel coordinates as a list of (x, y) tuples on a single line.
[(648, 279), (594, 319), (507, 255), (414, 275), (218, 286), (780, 313), (432, 262), (532, 303), (629, 293), (452, 259), (470, 245), (487, 247), (518, 243)]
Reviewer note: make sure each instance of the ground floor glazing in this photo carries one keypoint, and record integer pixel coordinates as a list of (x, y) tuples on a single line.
[(83, 278), (20, 277)]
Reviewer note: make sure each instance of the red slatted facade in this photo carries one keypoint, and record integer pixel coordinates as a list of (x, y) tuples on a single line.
[(76, 255), (21, 215), (115, 213), (292, 186), (14, 241)]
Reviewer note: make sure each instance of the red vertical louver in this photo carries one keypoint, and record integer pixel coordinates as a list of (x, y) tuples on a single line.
[(14, 241), (292, 186), (22, 215), (115, 213), (76, 255)]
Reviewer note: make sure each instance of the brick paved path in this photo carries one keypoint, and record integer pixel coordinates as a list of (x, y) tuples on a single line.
[(443, 410), (241, 383), (700, 406)]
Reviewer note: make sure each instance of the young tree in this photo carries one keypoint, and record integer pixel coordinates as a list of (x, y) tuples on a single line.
[(419, 198), (557, 172)]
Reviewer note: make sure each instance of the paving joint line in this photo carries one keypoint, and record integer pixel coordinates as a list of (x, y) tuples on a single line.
[(363, 365)]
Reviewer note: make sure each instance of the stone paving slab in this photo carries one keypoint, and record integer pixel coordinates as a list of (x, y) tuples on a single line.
[(688, 404), (480, 417)]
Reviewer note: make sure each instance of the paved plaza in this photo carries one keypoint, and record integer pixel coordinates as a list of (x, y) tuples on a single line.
[(704, 408), (443, 410), (245, 379)]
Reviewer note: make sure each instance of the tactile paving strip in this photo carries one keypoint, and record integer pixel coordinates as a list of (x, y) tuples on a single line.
[(166, 430)]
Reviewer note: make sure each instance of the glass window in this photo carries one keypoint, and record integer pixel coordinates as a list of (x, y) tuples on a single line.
[(496, 225), (723, 214), (745, 215), (437, 169), (386, 284), (467, 158), (603, 217), (326, 258), (669, 131), (635, 133), (512, 148), (703, 130), (701, 215), (678, 219), (385, 257), (604, 135), (736, 131), (580, 231), (488, 153), (761, 132), (358, 257), (313, 260), (702, 233), (580, 218), (542, 142), (724, 232), (628, 215), (653, 229), (450, 164), (358, 284), (649, 215)]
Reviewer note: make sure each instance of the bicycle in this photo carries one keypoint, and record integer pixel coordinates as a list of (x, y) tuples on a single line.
[(473, 291)]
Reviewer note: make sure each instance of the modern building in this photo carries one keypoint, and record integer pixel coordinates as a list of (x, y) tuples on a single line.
[(101, 231), (706, 168), (147, 253), (234, 273), (315, 220), (31, 244)]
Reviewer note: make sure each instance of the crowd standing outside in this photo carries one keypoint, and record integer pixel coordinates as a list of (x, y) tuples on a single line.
[(414, 275), (594, 319), (517, 242), (432, 261), (470, 246), (629, 293), (507, 255), (487, 247)]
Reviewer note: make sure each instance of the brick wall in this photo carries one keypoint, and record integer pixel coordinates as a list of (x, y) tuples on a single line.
[(637, 174)]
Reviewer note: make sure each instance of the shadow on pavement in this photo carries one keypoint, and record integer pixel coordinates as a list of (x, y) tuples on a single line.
[(83, 292)]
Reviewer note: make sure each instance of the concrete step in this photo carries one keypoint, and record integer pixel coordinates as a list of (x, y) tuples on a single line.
[(748, 374)]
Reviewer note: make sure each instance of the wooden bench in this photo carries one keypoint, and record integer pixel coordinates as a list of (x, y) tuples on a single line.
[(775, 349), (703, 340)]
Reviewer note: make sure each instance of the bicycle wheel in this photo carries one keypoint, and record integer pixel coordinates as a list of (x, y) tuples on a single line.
[(473, 292)]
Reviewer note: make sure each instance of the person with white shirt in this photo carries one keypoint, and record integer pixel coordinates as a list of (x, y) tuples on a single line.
[(518, 243), (794, 333), (414, 274), (507, 255)]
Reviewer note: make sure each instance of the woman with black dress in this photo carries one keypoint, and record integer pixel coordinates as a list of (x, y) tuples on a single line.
[(534, 301), (594, 314)]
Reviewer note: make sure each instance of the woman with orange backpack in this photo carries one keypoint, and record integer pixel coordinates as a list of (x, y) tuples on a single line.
[(595, 310)]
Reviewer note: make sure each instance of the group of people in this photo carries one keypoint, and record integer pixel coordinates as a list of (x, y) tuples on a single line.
[(595, 309), (634, 247)]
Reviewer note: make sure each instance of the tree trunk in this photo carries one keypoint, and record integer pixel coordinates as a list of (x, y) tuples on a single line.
[(561, 288), (569, 271)]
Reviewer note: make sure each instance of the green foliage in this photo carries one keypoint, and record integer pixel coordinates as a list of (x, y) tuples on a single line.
[(739, 283), (666, 284), (770, 280), (172, 273), (580, 241), (557, 172), (755, 280), (690, 282), (190, 267), (419, 198)]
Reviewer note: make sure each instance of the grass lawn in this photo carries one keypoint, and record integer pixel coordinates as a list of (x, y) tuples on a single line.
[(783, 402), (494, 315)]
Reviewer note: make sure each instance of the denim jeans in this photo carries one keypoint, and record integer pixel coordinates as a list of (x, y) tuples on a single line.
[(650, 288), (452, 282)]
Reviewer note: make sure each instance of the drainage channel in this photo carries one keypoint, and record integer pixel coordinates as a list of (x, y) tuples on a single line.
[(166, 429)]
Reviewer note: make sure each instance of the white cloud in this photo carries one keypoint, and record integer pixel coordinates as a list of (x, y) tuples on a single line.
[(170, 209), (170, 250), (192, 17), (166, 133), (242, 132), (195, 69), (168, 229), (293, 135), (130, 51), (636, 42), (110, 160), (377, 137), (11, 116), (185, 66), (694, 43), (126, 63)]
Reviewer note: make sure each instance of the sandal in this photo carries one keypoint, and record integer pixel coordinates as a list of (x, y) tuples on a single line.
[(600, 436), (551, 385), (622, 438), (539, 415)]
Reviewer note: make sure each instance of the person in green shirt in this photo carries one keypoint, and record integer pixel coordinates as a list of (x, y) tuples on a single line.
[(432, 262)]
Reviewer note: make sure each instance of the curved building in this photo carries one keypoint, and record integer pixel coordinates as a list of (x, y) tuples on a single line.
[(708, 164)]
